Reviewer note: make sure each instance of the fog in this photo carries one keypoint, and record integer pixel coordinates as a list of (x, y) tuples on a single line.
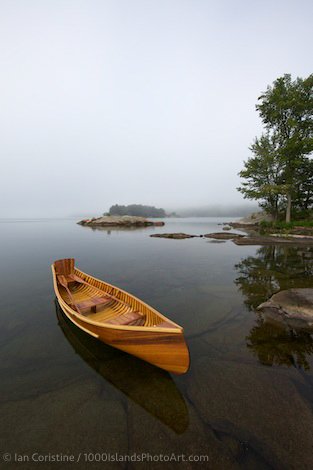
[(142, 101)]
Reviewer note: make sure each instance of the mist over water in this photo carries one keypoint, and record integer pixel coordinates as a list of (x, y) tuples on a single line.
[(106, 102)]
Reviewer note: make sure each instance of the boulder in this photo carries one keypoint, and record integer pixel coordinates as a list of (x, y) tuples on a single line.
[(293, 307), (159, 223)]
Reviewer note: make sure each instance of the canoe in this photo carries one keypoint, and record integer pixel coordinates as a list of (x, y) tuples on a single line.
[(152, 388), (119, 319)]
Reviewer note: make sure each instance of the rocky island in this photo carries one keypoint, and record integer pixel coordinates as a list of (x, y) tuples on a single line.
[(119, 221)]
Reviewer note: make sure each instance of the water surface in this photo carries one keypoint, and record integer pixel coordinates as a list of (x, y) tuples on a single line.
[(247, 399)]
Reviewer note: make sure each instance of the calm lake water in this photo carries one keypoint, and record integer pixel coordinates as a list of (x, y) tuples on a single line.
[(247, 399)]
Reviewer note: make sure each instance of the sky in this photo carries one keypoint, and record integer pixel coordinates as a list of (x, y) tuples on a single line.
[(137, 101)]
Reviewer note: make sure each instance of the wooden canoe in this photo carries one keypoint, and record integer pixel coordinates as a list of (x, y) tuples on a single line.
[(119, 319)]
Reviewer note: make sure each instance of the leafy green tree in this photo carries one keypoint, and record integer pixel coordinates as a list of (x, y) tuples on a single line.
[(286, 110), (262, 173)]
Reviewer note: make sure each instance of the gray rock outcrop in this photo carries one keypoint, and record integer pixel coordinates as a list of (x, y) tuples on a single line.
[(119, 221), (293, 307)]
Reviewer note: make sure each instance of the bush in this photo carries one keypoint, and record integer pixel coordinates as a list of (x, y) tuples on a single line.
[(284, 226)]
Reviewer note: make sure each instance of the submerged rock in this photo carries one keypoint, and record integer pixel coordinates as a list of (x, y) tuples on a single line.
[(223, 235), (292, 306), (251, 405), (176, 236), (119, 221)]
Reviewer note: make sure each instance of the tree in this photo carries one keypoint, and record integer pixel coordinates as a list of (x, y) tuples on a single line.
[(286, 110), (262, 173), (137, 210)]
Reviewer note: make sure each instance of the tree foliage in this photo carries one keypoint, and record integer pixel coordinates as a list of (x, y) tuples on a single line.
[(137, 210), (279, 173), (262, 174)]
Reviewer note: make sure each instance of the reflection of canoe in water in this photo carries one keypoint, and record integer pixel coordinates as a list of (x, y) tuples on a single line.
[(119, 319), (151, 388)]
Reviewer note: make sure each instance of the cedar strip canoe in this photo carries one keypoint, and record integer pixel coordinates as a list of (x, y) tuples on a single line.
[(119, 319)]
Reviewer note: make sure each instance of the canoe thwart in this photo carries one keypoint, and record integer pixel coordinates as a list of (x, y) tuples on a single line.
[(93, 303)]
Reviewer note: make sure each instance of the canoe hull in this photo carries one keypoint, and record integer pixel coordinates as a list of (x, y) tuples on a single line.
[(162, 349)]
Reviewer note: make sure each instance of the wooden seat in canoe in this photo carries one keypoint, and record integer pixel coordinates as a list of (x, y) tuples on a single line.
[(129, 319), (93, 302)]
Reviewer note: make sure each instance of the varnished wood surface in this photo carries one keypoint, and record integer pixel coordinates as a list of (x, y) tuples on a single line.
[(159, 341)]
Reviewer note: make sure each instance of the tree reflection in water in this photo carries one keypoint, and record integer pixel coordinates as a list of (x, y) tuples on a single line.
[(272, 269), (278, 345), (276, 268)]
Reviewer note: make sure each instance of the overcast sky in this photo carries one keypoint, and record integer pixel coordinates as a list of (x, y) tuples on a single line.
[(137, 101)]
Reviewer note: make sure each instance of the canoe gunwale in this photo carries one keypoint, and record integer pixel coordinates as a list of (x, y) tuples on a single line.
[(69, 311)]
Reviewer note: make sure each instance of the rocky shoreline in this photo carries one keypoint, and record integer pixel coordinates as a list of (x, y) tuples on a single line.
[(181, 236), (119, 221), (241, 240), (274, 240)]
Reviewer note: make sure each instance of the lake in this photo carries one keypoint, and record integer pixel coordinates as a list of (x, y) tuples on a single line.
[(246, 401)]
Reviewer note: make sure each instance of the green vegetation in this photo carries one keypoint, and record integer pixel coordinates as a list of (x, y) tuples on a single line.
[(280, 172), (294, 227), (137, 210), (286, 225)]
